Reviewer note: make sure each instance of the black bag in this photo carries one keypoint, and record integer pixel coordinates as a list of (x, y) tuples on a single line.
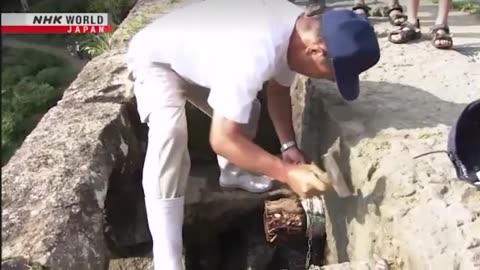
[(464, 144)]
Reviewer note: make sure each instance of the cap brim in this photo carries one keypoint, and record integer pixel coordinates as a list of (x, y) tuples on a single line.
[(348, 85)]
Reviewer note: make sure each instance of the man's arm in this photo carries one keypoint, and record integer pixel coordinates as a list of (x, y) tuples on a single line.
[(228, 141), (279, 105)]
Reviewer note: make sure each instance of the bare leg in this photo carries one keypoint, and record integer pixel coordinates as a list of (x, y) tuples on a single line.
[(443, 39), (443, 10), (408, 32), (412, 11), (393, 2), (396, 16), (360, 8), (359, 2)]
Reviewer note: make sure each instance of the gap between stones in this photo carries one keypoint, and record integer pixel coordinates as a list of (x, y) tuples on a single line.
[(235, 243)]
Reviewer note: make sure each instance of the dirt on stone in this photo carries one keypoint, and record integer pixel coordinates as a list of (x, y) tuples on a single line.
[(413, 212)]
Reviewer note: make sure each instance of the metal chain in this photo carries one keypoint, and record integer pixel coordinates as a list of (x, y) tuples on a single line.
[(309, 214)]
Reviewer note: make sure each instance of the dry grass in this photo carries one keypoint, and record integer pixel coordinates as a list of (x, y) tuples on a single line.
[(135, 22)]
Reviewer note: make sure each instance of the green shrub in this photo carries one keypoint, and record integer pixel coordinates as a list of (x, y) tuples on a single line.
[(31, 60), (55, 76), (21, 104), (32, 82), (467, 6), (59, 6), (118, 9), (13, 74), (94, 45), (8, 132), (31, 96)]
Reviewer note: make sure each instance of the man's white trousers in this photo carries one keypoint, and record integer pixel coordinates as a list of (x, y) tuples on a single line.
[(161, 95)]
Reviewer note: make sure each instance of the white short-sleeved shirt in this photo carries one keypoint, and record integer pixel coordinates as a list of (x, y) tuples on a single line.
[(231, 47)]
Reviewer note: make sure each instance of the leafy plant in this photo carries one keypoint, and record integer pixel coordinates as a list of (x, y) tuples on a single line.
[(94, 45), (118, 9), (467, 6), (32, 82)]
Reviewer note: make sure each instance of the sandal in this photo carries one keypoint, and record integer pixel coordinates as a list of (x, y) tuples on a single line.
[(365, 8), (441, 32), (399, 18), (408, 32)]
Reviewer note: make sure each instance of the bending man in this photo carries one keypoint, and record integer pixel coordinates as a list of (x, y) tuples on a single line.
[(217, 55)]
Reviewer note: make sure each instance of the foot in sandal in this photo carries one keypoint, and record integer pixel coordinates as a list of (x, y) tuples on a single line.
[(361, 10), (441, 38), (395, 15), (406, 33)]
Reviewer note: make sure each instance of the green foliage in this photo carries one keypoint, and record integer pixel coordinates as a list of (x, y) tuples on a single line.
[(118, 9), (94, 45), (29, 59), (32, 82), (54, 76), (58, 5), (467, 6)]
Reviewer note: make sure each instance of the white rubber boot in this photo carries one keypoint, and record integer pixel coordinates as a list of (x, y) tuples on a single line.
[(165, 221), (232, 177), (246, 181)]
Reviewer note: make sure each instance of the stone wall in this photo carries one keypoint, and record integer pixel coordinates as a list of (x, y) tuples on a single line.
[(412, 212)]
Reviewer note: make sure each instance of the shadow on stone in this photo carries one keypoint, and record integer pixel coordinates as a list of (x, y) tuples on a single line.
[(381, 107), (126, 228), (470, 50)]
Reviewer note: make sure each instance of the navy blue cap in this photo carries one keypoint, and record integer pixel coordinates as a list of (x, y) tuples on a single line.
[(464, 144), (352, 47)]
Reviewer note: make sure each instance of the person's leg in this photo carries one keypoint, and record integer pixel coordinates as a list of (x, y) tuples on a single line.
[(410, 30), (361, 8), (395, 13), (358, 2), (443, 10), (412, 11), (231, 176), (440, 31), (160, 104)]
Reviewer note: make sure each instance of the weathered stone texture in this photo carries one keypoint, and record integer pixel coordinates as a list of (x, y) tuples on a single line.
[(54, 188), (413, 212), (72, 195)]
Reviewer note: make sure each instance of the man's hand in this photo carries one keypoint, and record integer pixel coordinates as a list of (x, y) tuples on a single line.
[(293, 156), (229, 141), (307, 180)]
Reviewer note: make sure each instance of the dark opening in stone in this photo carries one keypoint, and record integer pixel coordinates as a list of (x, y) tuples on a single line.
[(223, 230)]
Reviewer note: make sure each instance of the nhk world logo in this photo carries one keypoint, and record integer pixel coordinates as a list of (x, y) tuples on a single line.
[(55, 23)]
